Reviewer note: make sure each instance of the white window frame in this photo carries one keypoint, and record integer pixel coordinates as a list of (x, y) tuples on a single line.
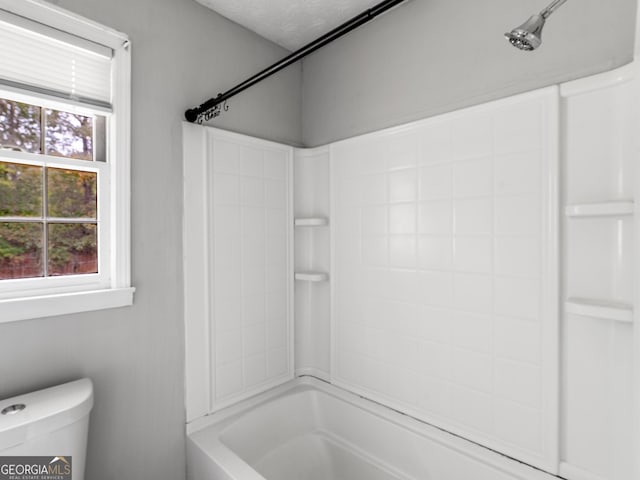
[(44, 297)]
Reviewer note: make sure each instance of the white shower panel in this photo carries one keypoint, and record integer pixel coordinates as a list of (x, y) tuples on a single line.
[(599, 163), (444, 275), (597, 433), (238, 268)]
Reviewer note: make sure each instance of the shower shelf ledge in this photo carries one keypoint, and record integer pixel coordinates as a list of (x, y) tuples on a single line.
[(311, 222), (621, 312), (312, 276), (604, 209)]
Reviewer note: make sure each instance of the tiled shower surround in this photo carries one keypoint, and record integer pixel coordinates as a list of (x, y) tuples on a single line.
[(241, 290), (441, 289), (250, 254), (474, 271)]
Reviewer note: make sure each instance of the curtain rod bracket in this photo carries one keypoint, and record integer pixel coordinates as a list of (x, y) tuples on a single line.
[(195, 115)]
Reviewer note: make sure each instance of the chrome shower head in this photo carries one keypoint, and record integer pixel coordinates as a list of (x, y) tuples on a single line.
[(528, 36)]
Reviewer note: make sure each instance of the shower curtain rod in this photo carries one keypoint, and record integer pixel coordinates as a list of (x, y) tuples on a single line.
[(212, 107)]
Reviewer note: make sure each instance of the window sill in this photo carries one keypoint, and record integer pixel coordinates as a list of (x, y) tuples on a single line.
[(26, 308)]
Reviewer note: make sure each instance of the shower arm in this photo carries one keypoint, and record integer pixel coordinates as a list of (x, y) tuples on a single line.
[(551, 8), (214, 106)]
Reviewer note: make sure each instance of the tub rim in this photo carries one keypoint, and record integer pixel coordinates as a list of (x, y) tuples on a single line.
[(219, 421)]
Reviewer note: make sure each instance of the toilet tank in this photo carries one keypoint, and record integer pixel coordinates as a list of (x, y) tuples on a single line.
[(48, 423)]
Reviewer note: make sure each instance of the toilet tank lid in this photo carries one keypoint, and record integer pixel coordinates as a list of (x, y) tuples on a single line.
[(44, 411)]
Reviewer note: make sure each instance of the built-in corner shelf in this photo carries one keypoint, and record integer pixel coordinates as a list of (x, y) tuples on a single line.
[(604, 209), (312, 276), (311, 222), (621, 312)]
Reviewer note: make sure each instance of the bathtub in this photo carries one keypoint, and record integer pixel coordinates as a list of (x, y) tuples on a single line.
[(310, 430)]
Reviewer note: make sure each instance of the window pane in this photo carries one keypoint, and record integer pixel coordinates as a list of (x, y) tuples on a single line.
[(100, 139), (21, 250), (73, 249), (71, 194), (20, 190), (19, 126), (69, 135)]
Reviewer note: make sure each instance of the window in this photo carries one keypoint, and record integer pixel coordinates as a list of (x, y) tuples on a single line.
[(49, 206), (64, 163)]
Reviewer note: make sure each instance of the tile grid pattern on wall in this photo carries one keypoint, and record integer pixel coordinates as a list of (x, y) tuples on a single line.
[(250, 268), (438, 279)]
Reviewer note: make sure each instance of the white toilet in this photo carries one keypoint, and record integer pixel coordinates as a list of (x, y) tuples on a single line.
[(52, 422)]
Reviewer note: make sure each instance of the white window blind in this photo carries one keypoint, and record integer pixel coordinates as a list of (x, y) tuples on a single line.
[(40, 58)]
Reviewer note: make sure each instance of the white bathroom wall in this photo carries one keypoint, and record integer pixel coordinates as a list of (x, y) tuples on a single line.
[(445, 272), (183, 53), (600, 126), (312, 298), (238, 270)]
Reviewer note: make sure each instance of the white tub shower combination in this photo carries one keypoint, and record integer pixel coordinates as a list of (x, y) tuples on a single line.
[(451, 299), (310, 430)]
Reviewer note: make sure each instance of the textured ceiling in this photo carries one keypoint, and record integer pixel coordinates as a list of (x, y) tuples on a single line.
[(289, 23)]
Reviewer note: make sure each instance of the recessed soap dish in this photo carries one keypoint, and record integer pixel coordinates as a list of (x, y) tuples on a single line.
[(13, 409), (312, 276), (311, 222)]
